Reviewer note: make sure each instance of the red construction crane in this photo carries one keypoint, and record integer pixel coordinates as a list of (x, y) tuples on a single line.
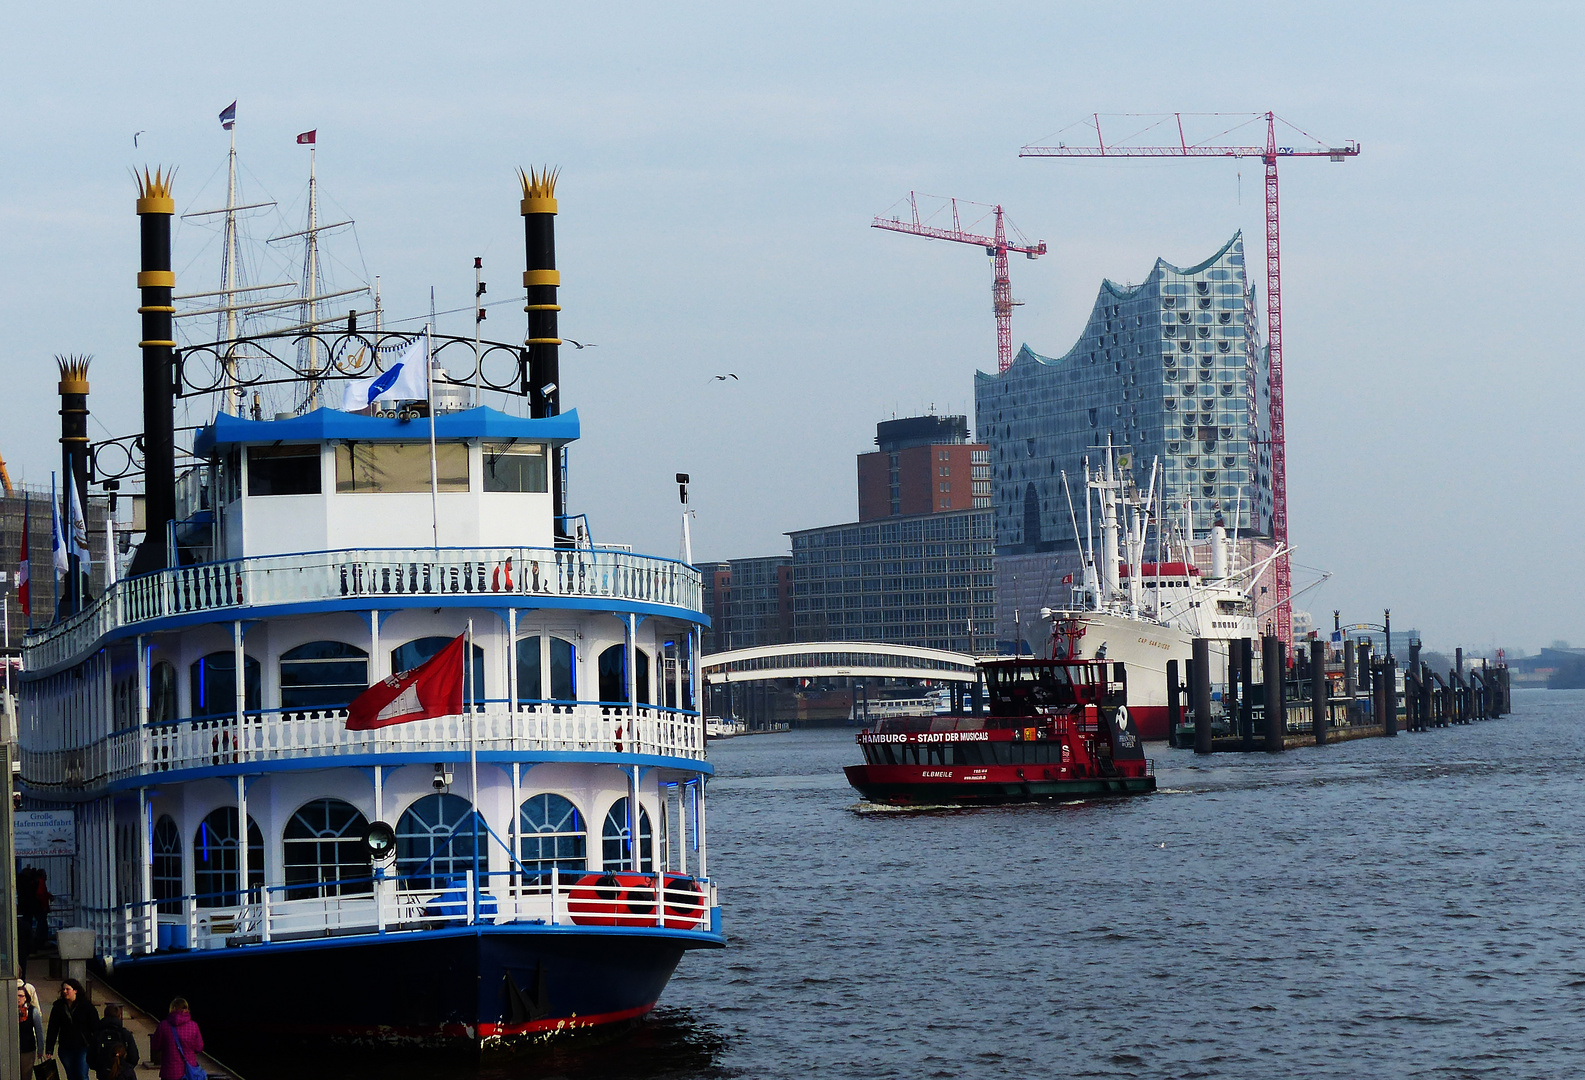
[(1219, 145), (996, 246)]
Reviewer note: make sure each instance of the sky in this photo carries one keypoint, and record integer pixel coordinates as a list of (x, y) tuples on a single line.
[(720, 166)]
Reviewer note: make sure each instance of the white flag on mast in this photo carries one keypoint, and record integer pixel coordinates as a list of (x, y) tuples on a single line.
[(406, 378)]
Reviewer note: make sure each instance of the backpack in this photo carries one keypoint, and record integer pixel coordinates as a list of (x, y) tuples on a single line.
[(103, 1043)]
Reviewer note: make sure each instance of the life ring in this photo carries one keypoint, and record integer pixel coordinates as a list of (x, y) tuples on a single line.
[(684, 902), (595, 900)]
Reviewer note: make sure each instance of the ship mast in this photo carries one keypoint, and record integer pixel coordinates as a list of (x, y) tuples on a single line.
[(310, 318), (230, 400)]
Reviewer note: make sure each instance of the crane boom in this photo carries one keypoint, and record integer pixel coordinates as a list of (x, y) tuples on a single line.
[(996, 246), (1269, 154)]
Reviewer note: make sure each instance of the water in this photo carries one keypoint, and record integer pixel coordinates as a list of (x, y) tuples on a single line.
[(1378, 908)]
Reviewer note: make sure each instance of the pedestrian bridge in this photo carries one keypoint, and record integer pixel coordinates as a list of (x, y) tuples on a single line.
[(837, 659)]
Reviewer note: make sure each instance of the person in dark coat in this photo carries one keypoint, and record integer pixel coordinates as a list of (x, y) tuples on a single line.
[(30, 1030), (72, 1020), (113, 1049), (177, 1026)]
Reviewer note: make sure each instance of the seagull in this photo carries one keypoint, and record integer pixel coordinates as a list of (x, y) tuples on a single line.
[(1162, 846), (728, 375), (579, 344), (135, 135)]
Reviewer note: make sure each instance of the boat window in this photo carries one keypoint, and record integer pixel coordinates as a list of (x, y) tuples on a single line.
[(324, 853), (514, 466), (563, 680), (323, 674), (381, 466), (216, 863), (407, 657), (162, 693), (435, 842), (551, 833), (283, 470), (167, 858), (212, 681), (616, 852), (613, 674)]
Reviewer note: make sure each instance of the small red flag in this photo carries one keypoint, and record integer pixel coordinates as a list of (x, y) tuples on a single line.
[(433, 688), (1067, 579), (307, 138)]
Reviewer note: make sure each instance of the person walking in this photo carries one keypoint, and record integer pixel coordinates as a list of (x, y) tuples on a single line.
[(176, 1042), (30, 1030), (112, 1049), (72, 1021)]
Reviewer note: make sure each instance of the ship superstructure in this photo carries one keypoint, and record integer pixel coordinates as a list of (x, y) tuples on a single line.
[(534, 863)]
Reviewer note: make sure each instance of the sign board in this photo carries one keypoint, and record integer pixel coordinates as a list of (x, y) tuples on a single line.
[(45, 832)]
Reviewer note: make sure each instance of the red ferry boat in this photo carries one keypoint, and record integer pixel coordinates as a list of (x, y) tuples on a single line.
[(1057, 729)]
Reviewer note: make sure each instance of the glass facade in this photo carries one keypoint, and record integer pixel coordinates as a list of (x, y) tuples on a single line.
[(927, 580), (1169, 369)]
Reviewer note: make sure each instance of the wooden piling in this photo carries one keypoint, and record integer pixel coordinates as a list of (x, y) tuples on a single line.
[(1200, 678), (1246, 694), (1272, 667), (1318, 691), (1174, 709)]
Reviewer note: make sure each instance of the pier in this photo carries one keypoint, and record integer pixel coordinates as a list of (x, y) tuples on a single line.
[(1325, 695)]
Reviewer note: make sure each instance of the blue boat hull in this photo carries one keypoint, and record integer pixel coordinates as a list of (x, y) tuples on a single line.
[(476, 989)]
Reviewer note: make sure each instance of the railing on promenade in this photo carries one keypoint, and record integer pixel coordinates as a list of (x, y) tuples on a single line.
[(262, 581), (278, 735), (387, 904)]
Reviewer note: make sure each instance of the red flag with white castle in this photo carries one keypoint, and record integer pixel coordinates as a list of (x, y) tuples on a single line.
[(433, 688)]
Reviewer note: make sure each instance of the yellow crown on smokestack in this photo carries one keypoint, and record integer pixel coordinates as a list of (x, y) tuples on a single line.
[(74, 374), (154, 192), (539, 190)]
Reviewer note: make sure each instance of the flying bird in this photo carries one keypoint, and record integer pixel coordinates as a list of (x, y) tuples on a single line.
[(580, 344), (728, 375), (135, 135)]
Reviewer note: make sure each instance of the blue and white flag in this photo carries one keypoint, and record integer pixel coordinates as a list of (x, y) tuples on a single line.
[(228, 116), (405, 379), (77, 540)]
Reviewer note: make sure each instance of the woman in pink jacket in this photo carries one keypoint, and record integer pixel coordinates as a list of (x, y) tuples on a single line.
[(176, 1037)]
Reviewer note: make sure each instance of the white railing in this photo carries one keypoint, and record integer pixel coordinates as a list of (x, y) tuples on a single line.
[(588, 727), (269, 580), (391, 905)]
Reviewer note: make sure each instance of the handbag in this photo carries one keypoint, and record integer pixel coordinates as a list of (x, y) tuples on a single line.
[(46, 1070), (190, 1070)]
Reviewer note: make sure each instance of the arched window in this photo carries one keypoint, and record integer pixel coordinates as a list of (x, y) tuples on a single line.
[(167, 863), (213, 681), (215, 858), (323, 675), (409, 656), (324, 853), (162, 693), (613, 674), (552, 833), (434, 840), (563, 679), (616, 849)]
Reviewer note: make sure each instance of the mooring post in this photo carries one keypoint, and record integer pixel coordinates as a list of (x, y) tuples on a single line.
[(1385, 707), (1366, 674), (1272, 664), (1246, 695), (1350, 679), (1232, 702), (1174, 706), (1318, 691), (1200, 677)]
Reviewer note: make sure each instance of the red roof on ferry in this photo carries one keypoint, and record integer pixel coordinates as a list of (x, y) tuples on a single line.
[(1166, 569)]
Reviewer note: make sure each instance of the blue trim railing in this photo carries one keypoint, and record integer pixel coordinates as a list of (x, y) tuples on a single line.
[(237, 585), (279, 735), (387, 904)]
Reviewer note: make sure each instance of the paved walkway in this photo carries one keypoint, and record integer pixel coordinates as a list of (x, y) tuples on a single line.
[(140, 1023)]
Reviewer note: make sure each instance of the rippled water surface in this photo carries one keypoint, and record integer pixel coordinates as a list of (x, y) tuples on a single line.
[(1406, 907)]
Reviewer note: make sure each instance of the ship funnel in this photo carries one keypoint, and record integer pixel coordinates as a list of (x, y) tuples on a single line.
[(1219, 547), (73, 389), (541, 280), (156, 283)]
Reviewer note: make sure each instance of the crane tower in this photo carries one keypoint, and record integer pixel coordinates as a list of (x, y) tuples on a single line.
[(1224, 146)]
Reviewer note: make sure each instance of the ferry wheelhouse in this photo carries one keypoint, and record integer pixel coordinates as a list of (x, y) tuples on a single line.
[(531, 865), (1057, 729)]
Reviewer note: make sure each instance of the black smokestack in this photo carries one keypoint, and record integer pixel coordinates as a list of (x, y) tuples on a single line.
[(541, 281), (73, 389), (156, 283)]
